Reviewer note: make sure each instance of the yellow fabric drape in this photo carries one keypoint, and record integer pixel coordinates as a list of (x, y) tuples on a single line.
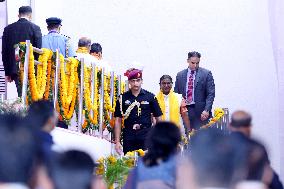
[(174, 107), (83, 50)]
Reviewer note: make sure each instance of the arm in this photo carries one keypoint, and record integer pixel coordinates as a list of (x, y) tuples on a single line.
[(37, 37), (5, 58), (177, 88), (117, 132), (156, 110), (157, 119), (210, 92), (117, 127), (184, 115)]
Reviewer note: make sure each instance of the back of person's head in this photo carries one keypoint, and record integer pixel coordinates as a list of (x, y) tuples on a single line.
[(73, 170), (42, 114), (96, 48), (162, 142), (18, 150), (241, 122), (211, 156), (25, 10), (84, 42)]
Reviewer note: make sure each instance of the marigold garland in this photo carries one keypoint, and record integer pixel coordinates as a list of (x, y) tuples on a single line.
[(87, 95), (38, 87), (68, 94)]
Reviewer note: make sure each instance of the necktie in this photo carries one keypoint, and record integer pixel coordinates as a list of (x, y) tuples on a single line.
[(190, 88)]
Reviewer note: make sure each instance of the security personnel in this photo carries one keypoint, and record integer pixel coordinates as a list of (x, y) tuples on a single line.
[(14, 33), (136, 107), (54, 40)]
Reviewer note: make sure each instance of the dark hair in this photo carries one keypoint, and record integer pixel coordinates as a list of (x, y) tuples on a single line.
[(161, 142), (166, 77), (18, 150), (240, 119), (211, 154), (53, 26), (73, 170), (39, 112), (193, 54), (96, 48), (84, 42), (25, 10)]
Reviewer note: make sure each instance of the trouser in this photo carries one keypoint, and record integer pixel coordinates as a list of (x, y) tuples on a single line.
[(131, 145), (134, 139), (18, 85), (195, 117)]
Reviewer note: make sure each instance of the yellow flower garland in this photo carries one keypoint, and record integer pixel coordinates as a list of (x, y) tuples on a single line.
[(87, 95), (38, 87), (68, 94)]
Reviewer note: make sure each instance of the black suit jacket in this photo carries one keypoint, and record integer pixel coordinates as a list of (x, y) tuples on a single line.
[(19, 31), (204, 88)]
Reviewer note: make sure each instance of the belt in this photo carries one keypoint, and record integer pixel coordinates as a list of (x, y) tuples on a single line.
[(142, 126), (190, 106)]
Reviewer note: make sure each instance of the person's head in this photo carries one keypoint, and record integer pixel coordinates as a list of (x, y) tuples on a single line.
[(96, 50), (211, 155), (162, 142), (193, 59), (134, 79), (42, 115), (25, 11), (73, 170), (241, 122), (53, 23), (18, 150), (84, 42), (166, 84)]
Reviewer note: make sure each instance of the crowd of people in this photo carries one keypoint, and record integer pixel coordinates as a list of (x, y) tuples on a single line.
[(214, 159), (24, 29), (155, 123)]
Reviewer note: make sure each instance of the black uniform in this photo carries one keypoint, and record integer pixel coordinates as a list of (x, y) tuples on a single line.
[(19, 31), (134, 139)]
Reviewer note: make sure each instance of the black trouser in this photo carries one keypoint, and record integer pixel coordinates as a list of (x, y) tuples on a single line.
[(131, 145), (19, 87), (195, 117), (134, 139)]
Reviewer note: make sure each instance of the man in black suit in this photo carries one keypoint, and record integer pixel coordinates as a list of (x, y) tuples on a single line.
[(197, 87), (251, 155), (14, 33)]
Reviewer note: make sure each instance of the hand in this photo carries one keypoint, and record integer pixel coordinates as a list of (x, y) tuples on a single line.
[(118, 148), (8, 79), (204, 115)]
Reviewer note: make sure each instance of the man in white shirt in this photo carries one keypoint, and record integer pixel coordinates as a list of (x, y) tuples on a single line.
[(172, 104), (97, 52)]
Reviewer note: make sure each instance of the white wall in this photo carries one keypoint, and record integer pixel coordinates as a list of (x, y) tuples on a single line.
[(232, 36)]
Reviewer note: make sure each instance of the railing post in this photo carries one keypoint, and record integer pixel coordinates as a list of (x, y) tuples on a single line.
[(26, 70), (93, 89), (56, 78), (80, 116), (102, 104)]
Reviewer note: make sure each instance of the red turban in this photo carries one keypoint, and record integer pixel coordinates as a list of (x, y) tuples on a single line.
[(133, 74)]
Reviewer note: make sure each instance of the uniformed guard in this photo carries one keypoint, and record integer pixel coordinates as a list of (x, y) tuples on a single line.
[(54, 40), (136, 107)]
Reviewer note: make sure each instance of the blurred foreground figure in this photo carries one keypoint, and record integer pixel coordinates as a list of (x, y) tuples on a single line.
[(255, 164), (158, 168), (18, 152)]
